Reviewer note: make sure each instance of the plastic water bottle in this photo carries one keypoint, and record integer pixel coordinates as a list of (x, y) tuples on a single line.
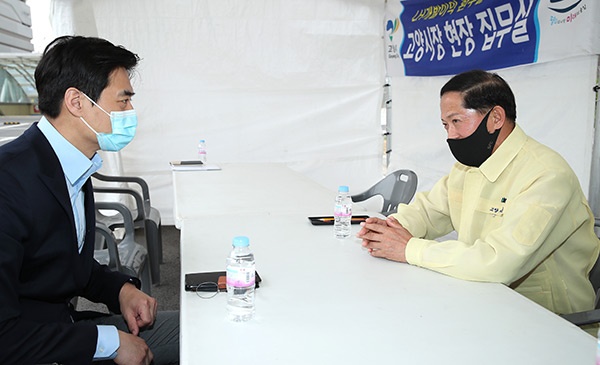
[(240, 280), (342, 213), (202, 151)]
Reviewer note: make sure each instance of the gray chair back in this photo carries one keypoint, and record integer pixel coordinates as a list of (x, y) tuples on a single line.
[(396, 188), (124, 255), (144, 216)]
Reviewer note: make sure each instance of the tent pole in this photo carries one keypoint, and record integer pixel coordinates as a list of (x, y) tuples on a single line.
[(387, 132), (594, 193)]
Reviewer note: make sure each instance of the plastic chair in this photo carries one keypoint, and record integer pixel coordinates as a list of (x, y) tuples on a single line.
[(125, 255), (591, 316), (396, 188), (145, 216)]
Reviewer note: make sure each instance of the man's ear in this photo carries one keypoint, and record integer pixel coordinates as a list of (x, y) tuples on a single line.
[(73, 102), (498, 117)]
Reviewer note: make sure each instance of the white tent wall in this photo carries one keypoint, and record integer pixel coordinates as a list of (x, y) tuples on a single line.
[(292, 81), (555, 105)]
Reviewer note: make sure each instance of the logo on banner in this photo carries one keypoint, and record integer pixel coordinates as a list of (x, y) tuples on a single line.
[(563, 6), (567, 11), (392, 27), (448, 37)]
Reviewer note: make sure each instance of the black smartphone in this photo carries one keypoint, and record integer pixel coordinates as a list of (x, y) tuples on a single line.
[(196, 281), (188, 162)]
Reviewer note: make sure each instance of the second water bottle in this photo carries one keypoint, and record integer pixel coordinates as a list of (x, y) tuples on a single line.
[(342, 213), (241, 273), (202, 151)]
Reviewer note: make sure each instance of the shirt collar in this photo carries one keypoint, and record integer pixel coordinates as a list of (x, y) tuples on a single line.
[(499, 160), (76, 166)]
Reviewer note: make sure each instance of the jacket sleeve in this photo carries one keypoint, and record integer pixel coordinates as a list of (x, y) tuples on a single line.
[(105, 285), (535, 222), (28, 342), (428, 216)]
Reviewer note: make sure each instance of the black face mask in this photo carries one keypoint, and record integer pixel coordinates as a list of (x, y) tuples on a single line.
[(476, 148)]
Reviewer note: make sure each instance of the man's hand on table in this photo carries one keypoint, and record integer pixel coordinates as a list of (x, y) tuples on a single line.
[(385, 238)]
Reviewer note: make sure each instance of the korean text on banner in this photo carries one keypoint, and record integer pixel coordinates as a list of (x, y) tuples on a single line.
[(445, 37)]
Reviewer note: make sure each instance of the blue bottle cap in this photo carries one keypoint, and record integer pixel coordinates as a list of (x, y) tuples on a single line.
[(241, 241), (343, 189)]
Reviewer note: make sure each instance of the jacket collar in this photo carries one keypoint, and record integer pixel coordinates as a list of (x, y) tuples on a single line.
[(51, 172), (502, 157)]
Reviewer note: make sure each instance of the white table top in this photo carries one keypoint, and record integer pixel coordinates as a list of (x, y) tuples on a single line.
[(246, 188), (326, 301)]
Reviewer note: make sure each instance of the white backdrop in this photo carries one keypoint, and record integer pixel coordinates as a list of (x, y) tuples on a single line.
[(300, 82), (294, 81)]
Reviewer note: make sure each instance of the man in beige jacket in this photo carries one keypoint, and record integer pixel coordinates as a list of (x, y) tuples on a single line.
[(516, 205)]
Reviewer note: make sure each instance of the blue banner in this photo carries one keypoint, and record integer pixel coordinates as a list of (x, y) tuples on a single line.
[(445, 37)]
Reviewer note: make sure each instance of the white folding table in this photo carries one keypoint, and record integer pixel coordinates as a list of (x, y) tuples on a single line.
[(327, 301)]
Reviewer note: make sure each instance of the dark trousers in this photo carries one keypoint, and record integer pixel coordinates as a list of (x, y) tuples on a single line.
[(162, 338)]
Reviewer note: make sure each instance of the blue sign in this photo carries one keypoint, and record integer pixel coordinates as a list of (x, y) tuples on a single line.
[(446, 37)]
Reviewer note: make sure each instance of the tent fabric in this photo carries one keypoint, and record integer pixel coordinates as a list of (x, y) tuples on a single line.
[(297, 82), (300, 82)]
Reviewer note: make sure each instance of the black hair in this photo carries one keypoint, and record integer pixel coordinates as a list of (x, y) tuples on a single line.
[(85, 63), (482, 90)]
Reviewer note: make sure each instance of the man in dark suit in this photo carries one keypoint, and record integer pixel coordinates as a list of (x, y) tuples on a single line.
[(47, 223)]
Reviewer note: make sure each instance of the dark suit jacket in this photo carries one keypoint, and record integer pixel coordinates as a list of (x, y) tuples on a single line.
[(40, 266)]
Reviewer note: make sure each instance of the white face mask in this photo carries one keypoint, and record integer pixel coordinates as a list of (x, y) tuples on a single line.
[(123, 123)]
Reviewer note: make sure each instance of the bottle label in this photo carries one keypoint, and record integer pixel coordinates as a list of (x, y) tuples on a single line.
[(240, 277), (342, 210)]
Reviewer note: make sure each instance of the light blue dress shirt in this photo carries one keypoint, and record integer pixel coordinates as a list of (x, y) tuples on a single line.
[(77, 169)]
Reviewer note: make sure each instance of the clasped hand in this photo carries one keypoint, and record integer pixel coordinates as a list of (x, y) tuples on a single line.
[(385, 238), (139, 311)]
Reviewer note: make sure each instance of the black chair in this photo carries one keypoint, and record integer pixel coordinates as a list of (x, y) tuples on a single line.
[(396, 188), (145, 216)]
